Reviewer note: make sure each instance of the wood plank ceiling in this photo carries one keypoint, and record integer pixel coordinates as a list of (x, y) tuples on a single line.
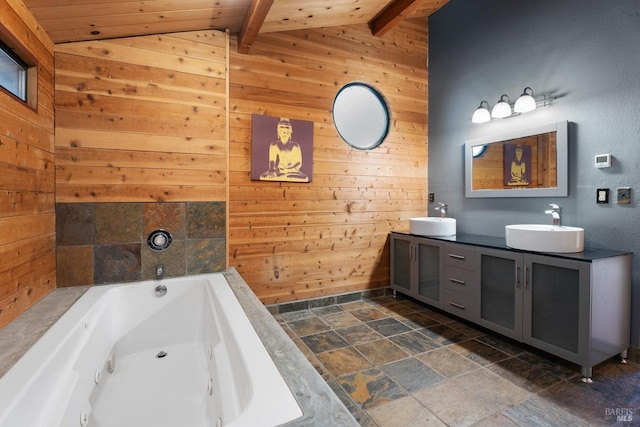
[(77, 20)]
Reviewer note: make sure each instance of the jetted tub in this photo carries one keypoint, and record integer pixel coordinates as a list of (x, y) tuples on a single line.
[(124, 356)]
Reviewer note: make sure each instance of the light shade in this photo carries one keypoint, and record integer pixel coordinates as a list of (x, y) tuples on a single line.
[(502, 109), (481, 115), (526, 102)]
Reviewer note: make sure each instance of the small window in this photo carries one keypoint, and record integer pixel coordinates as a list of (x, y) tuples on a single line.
[(13, 73)]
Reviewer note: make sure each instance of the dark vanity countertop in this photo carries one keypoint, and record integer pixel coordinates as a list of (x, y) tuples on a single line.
[(589, 254)]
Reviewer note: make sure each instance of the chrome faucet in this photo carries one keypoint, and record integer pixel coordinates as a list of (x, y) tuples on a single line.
[(556, 213), (159, 271), (443, 209), (161, 289)]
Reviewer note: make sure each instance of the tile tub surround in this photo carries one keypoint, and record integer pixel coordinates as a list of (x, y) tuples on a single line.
[(396, 362), (320, 405), (101, 243), (18, 336)]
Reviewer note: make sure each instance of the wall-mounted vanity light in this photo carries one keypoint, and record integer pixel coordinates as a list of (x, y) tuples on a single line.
[(525, 103)]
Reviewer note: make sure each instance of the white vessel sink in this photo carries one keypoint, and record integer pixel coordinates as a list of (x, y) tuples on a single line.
[(432, 226), (545, 238)]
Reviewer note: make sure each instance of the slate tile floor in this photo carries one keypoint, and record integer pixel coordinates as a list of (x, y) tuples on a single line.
[(396, 363)]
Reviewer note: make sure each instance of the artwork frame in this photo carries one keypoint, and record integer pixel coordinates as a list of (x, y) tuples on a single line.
[(281, 149)]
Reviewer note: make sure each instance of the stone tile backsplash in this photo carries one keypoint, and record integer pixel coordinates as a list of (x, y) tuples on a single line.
[(99, 243)]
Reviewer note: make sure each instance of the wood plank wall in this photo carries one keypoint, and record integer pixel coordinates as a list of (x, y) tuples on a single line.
[(142, 119), (294, 241), (27, 210)]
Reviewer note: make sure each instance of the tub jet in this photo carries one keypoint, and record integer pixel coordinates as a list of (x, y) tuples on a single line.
[(161, 354)]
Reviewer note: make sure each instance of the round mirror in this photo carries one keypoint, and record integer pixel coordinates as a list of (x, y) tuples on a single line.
[(361, 116)]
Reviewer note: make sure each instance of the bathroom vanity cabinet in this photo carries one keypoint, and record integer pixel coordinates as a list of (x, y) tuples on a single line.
[(417, 268), (574, 306)]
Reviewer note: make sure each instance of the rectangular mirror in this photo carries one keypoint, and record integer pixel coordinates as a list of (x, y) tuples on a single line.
[(524, 163)]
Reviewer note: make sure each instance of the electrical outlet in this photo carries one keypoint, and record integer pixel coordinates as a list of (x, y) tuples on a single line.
[(432, 197), (624, 195)]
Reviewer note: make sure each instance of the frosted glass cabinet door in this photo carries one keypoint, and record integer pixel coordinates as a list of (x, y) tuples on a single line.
[(401, 262), (429, 270), (499, 291), (555, 291)]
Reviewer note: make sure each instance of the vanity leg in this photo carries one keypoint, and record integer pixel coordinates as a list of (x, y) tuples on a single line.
[(624, 354), (586, 372), (394, 293)]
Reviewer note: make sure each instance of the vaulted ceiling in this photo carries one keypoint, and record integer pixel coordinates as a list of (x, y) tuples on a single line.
[(76, 20)]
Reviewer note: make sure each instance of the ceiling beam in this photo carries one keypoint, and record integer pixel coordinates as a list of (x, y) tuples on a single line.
[(393, 14), (256, 14)]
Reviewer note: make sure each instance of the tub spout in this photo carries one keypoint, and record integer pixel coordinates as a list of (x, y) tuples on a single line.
[(159, 271)]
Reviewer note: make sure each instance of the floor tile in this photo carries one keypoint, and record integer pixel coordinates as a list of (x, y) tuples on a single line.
[(381, 351), (405, 412), (296, 315), (416, 320), (538, 412), (388, 326), (340, 320), (324, 341), (371, 388), (614, 386), (414, 342), (497, 392), (447, 362), (443, 334), (369, 313), (382, 300), (496, 420), (530, 377), (453, 404), (289, 331), (358, 334), (411, 374), (396, 308), (355, 305), (321, 311), (503, 344), (344, 361), (439, 317), (466, 329), (440, 370), (308, 326), (479, 352)]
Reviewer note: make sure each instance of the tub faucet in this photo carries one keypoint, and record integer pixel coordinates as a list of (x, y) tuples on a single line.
[(159, 271), (556, 214), (443, 209)]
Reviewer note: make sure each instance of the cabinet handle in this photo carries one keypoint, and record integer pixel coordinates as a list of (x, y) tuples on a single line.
[(458, 281), (517, 277), (526, 277), (460, 306), (456, 256)]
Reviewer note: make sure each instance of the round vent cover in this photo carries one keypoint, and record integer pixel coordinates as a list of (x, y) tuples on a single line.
[(159, 240)]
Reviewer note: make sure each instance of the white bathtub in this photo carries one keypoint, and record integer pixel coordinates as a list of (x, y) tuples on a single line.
[(190, 358)]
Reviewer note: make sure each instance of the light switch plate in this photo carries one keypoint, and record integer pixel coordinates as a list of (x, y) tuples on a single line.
[(602, 196), (624, 195)]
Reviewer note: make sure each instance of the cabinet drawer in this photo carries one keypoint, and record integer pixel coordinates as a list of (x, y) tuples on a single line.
[(460, 256), (458, 279), (458, 304)]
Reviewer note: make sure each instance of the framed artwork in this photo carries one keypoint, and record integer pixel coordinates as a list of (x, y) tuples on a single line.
[(281, 149), (517, 165)]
